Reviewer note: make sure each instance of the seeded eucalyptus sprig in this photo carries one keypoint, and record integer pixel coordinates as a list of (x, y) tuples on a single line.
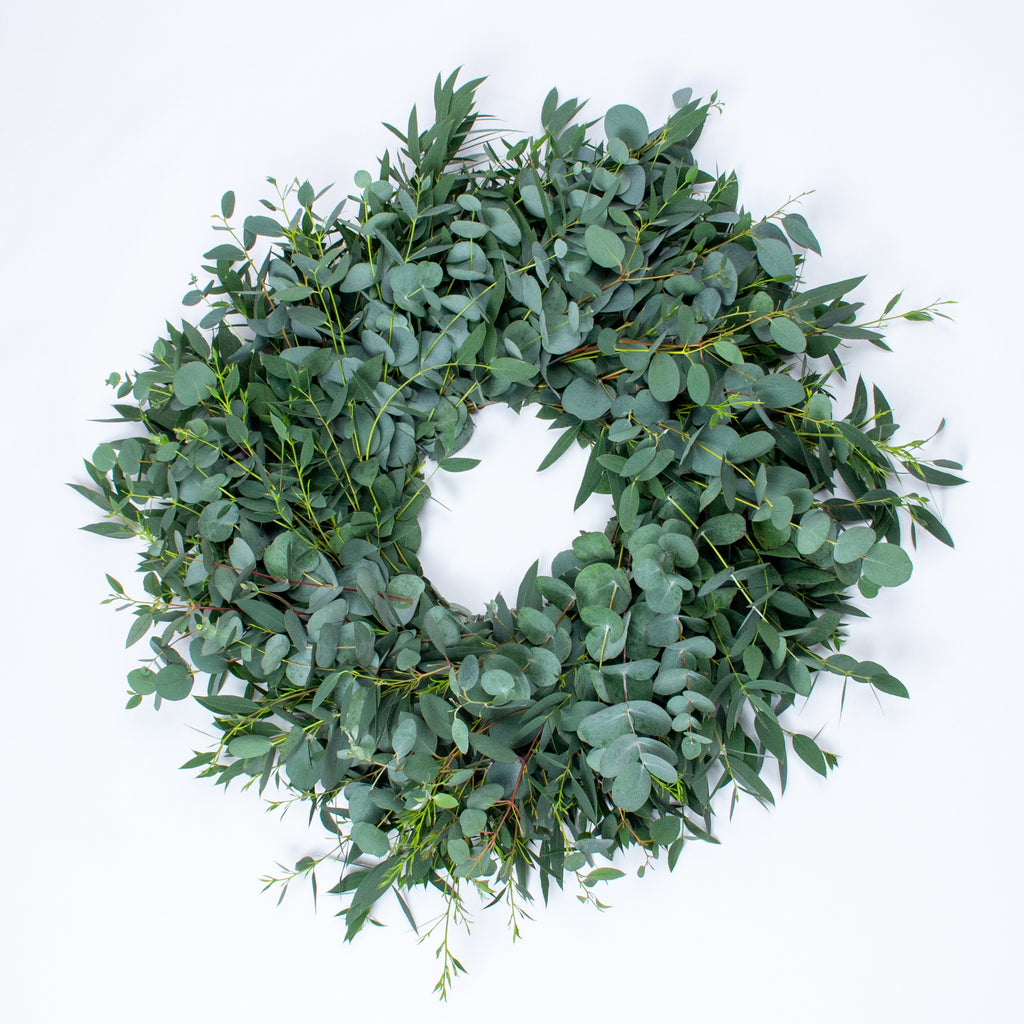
[(273, 468)]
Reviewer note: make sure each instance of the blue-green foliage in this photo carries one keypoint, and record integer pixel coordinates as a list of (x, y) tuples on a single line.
[(277, 482)]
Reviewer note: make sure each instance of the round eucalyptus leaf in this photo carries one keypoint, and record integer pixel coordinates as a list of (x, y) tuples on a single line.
[(194, 382), (604, 247), (787, 335), (887, 565), (813, 529), (626, 123), (632, 788), (854, 543), (173, 682)]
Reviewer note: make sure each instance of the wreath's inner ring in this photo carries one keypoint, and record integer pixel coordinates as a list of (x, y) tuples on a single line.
[(482, 528)]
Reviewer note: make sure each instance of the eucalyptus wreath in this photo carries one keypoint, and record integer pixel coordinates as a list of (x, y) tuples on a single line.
[(274, 469)]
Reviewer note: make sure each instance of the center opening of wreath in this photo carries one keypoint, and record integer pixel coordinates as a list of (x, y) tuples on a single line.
[(485, 527)]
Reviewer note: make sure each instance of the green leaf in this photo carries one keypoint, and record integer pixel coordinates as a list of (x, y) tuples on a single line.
[(217, 520), (249, 746), (536, 626), (690, 747), (665, 830), (193, 382), (403, 739), (307, 316), (227, 204), (663, 377), (602, 875), (853, 543), (502, 225), (889, 684), (403, 594), (608, 630), (746, 778), (197, 761), (636, 463), (887, 565), (559, 448), (586, 399), (140, 627), (724, 529), (809, 752), (628, 124), (782, 512), (771, 735), (498, 683), (823, 294), (639, 716), (750, 446), (775, 256), (515, 370), (359, 277), (698, 383), (931, 475), (472, 822), (492, 748), (437, 713), (787, 335), (455, 465), (458, 851), (229, 705), (777, 391), (628, 506), (600, 583), (604, 247), (460, 735), (261, 225), (294, 293), (797, 229), (932, 524), (325, 689), (574, 861), (659, 768), (442, 628), (691, 701), (593, 547), (618, 755), (173, 682), (370, 839), (372, 884), (262, 613), (813, 529), (485, 796), (632, 787), (729, 352), (224, 252), (142, 680)]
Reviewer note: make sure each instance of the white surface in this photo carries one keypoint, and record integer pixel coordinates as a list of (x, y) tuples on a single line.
[(504, 497), (892, 892)]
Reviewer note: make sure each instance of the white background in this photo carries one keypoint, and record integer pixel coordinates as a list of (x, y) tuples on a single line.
[(891, 892)]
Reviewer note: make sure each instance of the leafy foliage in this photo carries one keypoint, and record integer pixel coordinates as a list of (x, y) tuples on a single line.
[(277, 482)]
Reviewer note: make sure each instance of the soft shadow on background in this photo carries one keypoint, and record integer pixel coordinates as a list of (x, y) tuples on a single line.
[(891, 892)]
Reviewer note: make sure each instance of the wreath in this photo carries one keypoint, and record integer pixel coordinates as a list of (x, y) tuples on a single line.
[(275, 471)]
